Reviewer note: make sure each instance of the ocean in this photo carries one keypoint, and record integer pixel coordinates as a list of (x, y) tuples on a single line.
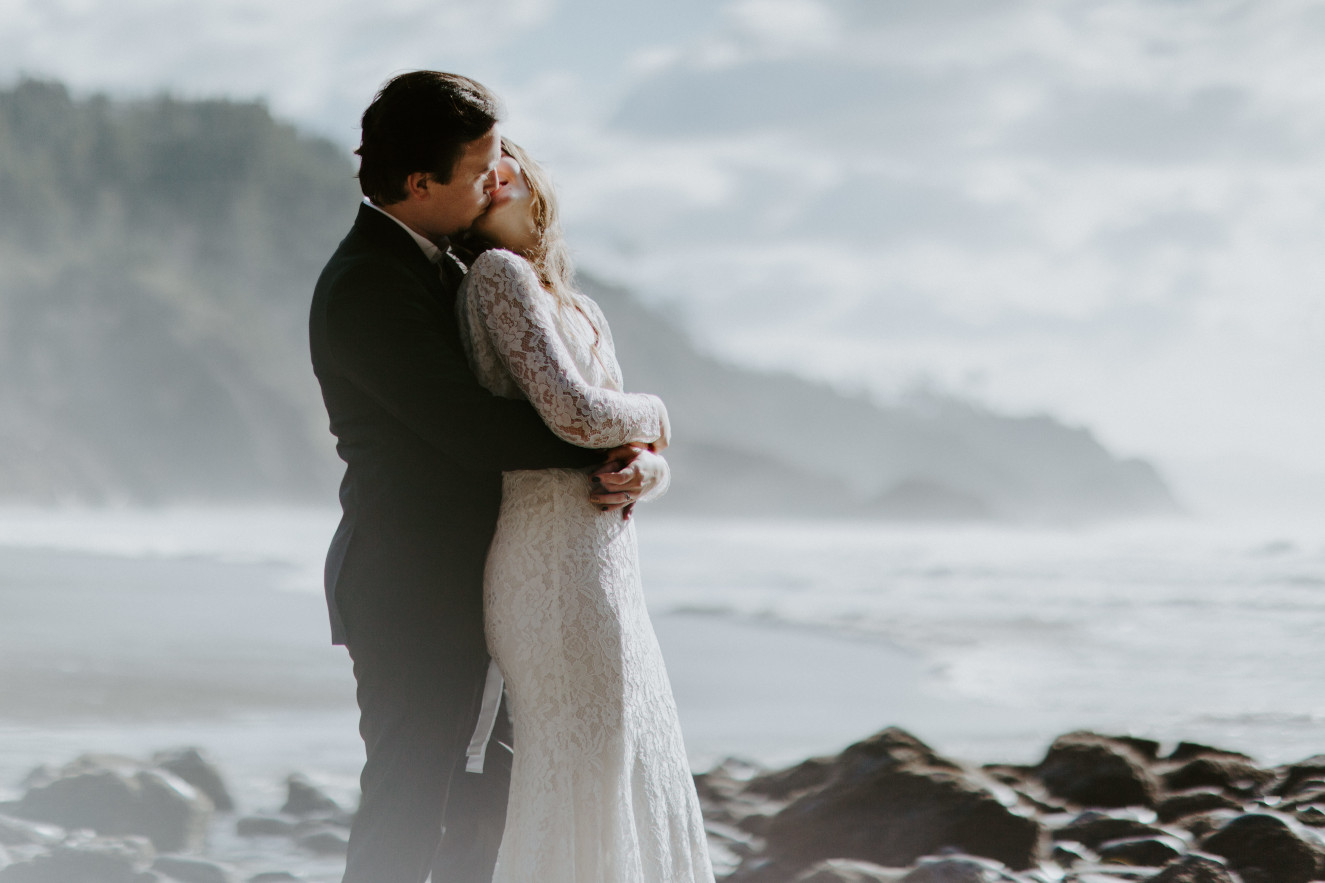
[(784, 637)]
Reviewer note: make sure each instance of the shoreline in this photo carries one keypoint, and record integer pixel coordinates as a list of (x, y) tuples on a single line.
[(134, 654)]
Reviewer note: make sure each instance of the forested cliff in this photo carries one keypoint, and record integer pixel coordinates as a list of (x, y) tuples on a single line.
[(156, 261)]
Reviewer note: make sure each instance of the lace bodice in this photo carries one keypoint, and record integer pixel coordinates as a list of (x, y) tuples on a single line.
[(521, 344)]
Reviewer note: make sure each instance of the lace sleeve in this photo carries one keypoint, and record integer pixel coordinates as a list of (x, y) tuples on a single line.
[(518, 317)]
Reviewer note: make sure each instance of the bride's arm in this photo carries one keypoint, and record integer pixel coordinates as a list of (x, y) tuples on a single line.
[(518, 316)]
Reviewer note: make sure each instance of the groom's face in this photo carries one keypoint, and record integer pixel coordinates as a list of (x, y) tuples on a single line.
[(453, 206)]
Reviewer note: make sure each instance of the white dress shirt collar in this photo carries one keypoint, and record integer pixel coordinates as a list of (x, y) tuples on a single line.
[(430, 249)]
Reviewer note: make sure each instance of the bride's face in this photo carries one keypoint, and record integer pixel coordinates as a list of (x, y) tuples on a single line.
[(509, 218)]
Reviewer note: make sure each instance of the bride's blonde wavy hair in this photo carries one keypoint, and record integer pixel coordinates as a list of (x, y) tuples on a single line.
[(550, 256)]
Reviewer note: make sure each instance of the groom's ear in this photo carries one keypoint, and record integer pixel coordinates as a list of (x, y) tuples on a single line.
[(416, 185)]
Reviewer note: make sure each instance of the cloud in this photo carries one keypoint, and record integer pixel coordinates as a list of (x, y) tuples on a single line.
[(1131, 126), (1111, 209), (318, 63)]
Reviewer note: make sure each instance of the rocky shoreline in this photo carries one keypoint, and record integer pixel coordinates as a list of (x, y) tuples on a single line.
[(1095, 809)]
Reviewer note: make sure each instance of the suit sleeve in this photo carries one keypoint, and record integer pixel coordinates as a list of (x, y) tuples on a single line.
[(384, 336)]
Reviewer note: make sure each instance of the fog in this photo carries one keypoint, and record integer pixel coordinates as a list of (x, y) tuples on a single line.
[(1109, 212)]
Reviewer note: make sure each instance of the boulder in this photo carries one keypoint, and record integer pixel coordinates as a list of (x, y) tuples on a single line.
[(1069, 854), (115, 797), (274, 877), (192, 870), (841, 870), (324, 841), (303, 798), (765, 869), (1228, 772), (788, 783), (1295, 775), (1092, 770), (174, 814), (959, 869), (1189, 803), (1150, 852), (1093, 828), (1195, 867), (86, 859), (21, 832), (1148, 749), (191, 766), (1265, 848), (264, 826), (1187, 750), (724, 780), (1312, 815), (891, 800), (728, 846)]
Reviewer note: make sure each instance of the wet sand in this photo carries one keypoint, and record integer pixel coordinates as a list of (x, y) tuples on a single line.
[(102, 653)]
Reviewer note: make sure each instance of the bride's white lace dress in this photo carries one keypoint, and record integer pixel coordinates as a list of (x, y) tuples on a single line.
[(601, 791)]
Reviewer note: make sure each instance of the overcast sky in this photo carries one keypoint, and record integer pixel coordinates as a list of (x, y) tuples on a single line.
[(1111, 210)]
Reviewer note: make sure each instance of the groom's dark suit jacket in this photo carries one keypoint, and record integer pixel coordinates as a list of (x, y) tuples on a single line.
[(424, 445)]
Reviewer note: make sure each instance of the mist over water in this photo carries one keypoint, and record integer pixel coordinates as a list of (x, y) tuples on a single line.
[(1174, 630)]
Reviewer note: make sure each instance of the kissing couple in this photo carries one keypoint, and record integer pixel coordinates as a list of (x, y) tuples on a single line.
[(484, 576)]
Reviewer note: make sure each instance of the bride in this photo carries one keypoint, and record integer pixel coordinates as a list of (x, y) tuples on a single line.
[(601, 791)]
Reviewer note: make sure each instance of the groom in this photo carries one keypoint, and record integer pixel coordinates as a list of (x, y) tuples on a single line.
[(424, 447)]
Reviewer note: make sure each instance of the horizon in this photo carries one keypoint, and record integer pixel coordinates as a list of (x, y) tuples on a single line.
[(1106, 212)]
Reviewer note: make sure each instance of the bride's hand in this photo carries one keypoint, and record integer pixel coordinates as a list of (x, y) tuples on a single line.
[(628, 473)]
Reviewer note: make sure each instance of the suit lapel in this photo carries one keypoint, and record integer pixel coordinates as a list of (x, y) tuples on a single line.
[(385, 234)]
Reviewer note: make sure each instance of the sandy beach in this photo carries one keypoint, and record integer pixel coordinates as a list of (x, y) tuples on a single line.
[(129, 655)]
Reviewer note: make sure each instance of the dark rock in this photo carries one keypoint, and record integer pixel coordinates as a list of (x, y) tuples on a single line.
[(1195, 867), (86, 859), (723, 781), (192, 870), (264, 826), (1187, 750), (722, 857), (1187, 803), (1146, 748), (21, 832), (764, 869), (1205, 823), (1308, 794), (174, 814), (788, 783), (1265, 848), (1146, 851), (306, 799), (1093, 828), (1229, 772), (891, 800), (1311, 815), (1295, 775), (728, 846), (120, 800), (755, 823), (274, 877), (324, 841), (959, 869), (841, 870), (191, 766), (1108, 874), (1070, 853), (1092, 770)]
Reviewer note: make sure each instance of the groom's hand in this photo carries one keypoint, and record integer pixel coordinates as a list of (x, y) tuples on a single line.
[(628, 473)]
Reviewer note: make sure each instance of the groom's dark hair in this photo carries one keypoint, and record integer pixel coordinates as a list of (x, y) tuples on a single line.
[(420, 122)]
